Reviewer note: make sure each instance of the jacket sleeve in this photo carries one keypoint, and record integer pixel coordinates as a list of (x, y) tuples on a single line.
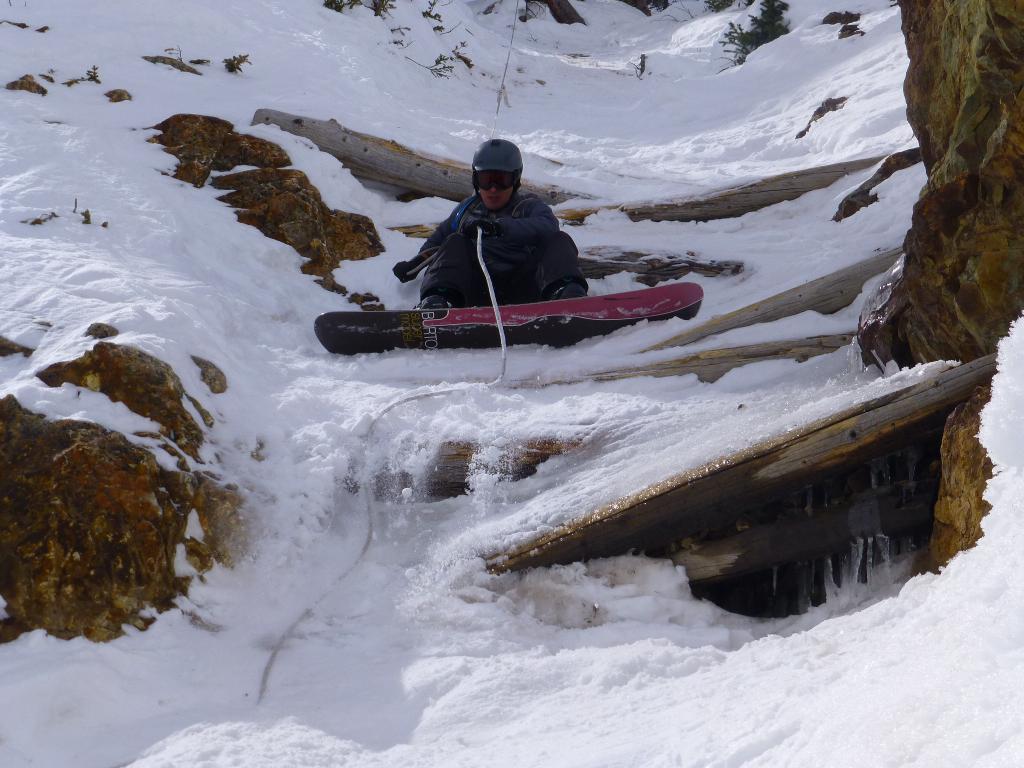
[(439, 235), (536, 222)]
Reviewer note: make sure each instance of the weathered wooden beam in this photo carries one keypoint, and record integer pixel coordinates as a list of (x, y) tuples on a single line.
[(719, 205), (870, 513), (448, 475), (711, 496), (826, 294), (736, 201), (653, 267), (370, 158), (711, 364), (563, 12)]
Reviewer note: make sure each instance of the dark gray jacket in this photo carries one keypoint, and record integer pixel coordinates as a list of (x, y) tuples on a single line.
[(525, 222)]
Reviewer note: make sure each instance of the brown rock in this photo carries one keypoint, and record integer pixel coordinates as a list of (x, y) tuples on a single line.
[(864, 195), (368, 302), (964, 276), (177, 64), (8, 347), (203, 144), (966, 470), (841, 17), (118, 94), (148, 386), (90, 525), (212, 376), (282, 204), (849, 30), (828, 105), (101, 331), (26, 83)]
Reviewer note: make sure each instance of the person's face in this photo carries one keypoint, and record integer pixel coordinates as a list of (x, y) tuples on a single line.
[(495, 188)]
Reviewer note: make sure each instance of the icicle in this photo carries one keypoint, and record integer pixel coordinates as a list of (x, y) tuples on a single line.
[(775, 580), (876, 472), (913, 456)]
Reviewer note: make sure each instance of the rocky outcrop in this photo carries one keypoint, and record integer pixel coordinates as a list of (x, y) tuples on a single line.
[(212, 376), (966, 470), (8, 347), (148, 386), (203, 144), (281, 202), (964, 277), (284, 205), (101, 331), (26, 83), (92, 529), (117, 95), (865, 195)]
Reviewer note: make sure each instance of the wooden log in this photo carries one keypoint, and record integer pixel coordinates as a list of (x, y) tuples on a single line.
[(563, 12), (370, 158), (652, 267), (449, 473), (711, 364), (826, 294), (873, 512), (711, 496), (736, 201), (719, 205)]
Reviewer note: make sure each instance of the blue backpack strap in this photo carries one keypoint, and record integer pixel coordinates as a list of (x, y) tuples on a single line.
[(461, 210)]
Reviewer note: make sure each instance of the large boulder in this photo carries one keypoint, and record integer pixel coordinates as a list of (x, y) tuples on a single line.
[(147, 385), (284, 205), (93, 530), (964, 279)]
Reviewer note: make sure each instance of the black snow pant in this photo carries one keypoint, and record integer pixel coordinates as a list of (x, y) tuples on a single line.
[(546, 266)]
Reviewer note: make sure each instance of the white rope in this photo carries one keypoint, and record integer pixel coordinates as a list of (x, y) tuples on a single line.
[(494, 306), (501, 88)]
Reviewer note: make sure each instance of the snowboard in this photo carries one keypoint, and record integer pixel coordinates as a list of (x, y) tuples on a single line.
[(557, 323)]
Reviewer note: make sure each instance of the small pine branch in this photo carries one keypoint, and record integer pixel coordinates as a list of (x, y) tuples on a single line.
[(234, 64)]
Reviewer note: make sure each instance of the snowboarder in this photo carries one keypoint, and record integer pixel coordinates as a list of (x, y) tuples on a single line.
[(529, 258)]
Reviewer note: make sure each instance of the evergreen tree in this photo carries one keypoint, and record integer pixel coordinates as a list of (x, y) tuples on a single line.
[(769, 24)]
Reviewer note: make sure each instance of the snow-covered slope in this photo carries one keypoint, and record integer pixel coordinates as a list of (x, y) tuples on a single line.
[(412, 655)]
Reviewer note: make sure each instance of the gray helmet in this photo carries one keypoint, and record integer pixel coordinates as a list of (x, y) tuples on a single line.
[(498, 155)]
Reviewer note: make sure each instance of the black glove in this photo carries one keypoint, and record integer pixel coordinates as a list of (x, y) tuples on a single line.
[(488, 227)]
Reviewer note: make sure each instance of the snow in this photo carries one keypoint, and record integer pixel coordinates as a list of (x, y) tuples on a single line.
[(404, 650)]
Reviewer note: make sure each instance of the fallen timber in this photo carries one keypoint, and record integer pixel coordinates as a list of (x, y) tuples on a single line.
[(710, 365), (712, 496), (735, 201), (724, 204), (448, 474), (370, 158), (870, 513), (826, 294), (652, 267)]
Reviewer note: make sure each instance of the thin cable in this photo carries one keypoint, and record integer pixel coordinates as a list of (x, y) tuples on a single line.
[(508, 58)]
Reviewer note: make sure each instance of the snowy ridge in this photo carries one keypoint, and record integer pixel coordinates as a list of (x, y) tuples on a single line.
[(415, 656)]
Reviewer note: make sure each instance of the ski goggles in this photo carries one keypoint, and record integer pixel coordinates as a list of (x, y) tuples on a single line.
[(495, 179)]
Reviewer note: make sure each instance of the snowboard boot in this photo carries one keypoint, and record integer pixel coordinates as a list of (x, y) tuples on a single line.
[(440, 299), (567, 288)]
